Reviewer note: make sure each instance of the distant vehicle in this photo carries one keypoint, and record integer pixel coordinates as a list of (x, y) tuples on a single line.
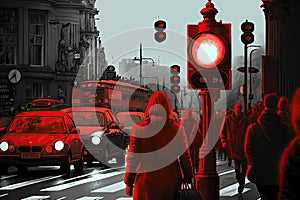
[(100, 131), (129, 119), (41, 138), (110, 94), (47, 104)]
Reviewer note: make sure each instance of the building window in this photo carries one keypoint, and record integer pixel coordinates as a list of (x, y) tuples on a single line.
[(36, 37), (8, 36), (36, 90)]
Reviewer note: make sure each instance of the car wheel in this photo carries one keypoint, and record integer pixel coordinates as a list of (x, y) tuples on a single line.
[(65, 168), (79, 165)]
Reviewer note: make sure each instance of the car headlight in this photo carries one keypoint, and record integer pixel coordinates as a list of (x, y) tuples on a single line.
[(59, 145), (4, 146), (96, 137)]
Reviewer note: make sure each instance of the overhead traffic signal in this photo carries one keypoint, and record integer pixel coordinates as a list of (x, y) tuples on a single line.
[(110, 72), (160, 26), (209, 55), (247, 36), (175, 78)]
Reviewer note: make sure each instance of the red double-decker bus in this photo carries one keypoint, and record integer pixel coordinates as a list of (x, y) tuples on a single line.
[(117, 95)]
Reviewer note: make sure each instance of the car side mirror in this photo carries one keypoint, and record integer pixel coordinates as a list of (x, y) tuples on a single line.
[(75, 130)]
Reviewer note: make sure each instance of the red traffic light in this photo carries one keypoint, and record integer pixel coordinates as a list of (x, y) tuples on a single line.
[(247, 38), (175, 69), (175, 88), (247, 26), (160, 25), (160, 36), (175, 79)]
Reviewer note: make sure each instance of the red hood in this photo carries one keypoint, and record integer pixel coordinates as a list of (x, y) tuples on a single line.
[(87, 130), (20, 139)]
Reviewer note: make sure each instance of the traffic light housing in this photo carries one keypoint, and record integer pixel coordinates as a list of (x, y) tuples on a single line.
[(175, 78), (209, 55), (110, 73), (160, 26), (247, 36)]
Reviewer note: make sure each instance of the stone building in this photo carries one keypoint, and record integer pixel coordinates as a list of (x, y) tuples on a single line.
[(43, 43), (281, 62)]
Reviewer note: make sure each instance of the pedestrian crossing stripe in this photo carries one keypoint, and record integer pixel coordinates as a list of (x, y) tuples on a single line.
[(90, 198), (97, 177), (111, 188), (36, 198), (3, 195), (27, 183), (231, 190)]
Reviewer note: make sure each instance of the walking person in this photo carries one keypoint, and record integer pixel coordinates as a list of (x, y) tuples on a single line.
[(264, 144), (192, 130), (157, 146), (232, 137), (289, 186)]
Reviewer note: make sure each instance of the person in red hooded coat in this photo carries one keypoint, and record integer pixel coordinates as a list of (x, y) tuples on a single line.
[(158, 157), (289, 187)]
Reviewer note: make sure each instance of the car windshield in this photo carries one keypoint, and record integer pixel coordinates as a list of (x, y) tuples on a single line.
[(85, 118), (37, 125), (129, 120)]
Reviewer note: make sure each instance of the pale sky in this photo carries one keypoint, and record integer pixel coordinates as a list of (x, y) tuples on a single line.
[(123, 25)]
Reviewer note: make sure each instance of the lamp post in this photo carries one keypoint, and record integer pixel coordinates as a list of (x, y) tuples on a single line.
[(245, 73), (141, 59), (250, 78)]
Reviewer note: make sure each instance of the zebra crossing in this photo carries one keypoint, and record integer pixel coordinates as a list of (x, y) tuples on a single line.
[(103, 192)]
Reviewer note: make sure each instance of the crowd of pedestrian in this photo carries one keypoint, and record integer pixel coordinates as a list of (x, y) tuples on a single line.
[(260, 142)]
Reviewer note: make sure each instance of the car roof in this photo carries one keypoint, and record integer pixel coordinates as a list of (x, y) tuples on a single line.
[(130, 112), (48, 113), (99, 109), (46, 99)]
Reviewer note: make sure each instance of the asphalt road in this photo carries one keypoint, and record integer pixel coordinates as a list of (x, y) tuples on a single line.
[(93, 183)]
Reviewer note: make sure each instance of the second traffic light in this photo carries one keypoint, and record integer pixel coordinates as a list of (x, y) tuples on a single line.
[(247, 36), (175, 78), (160, 27)]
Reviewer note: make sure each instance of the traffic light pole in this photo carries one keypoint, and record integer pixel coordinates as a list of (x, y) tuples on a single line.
[(207, 178), (245, 78), (250, 79)]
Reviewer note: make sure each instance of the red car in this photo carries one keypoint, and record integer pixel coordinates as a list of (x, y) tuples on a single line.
[(101, 133), (41, 138)]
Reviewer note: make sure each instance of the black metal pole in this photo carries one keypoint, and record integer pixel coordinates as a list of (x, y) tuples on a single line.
[(245, 78), (141, 58), (250, 79)]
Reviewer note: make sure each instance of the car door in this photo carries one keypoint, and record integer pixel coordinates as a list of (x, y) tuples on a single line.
[(114, 134), (75, 142)]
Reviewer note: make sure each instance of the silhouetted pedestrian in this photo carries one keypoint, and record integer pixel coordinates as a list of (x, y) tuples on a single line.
[(265, 142), (153, 168), (232, 137), (193, 133), (289, 186)]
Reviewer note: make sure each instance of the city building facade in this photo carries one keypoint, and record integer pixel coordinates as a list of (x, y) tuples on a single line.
[(281, 63), (43, 46)]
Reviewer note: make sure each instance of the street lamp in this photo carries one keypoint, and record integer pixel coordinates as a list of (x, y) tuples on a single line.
[(141, 59), (250, 77)]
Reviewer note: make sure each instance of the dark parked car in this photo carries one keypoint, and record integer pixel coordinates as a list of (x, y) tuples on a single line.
[(41, 138), (101, 133)]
